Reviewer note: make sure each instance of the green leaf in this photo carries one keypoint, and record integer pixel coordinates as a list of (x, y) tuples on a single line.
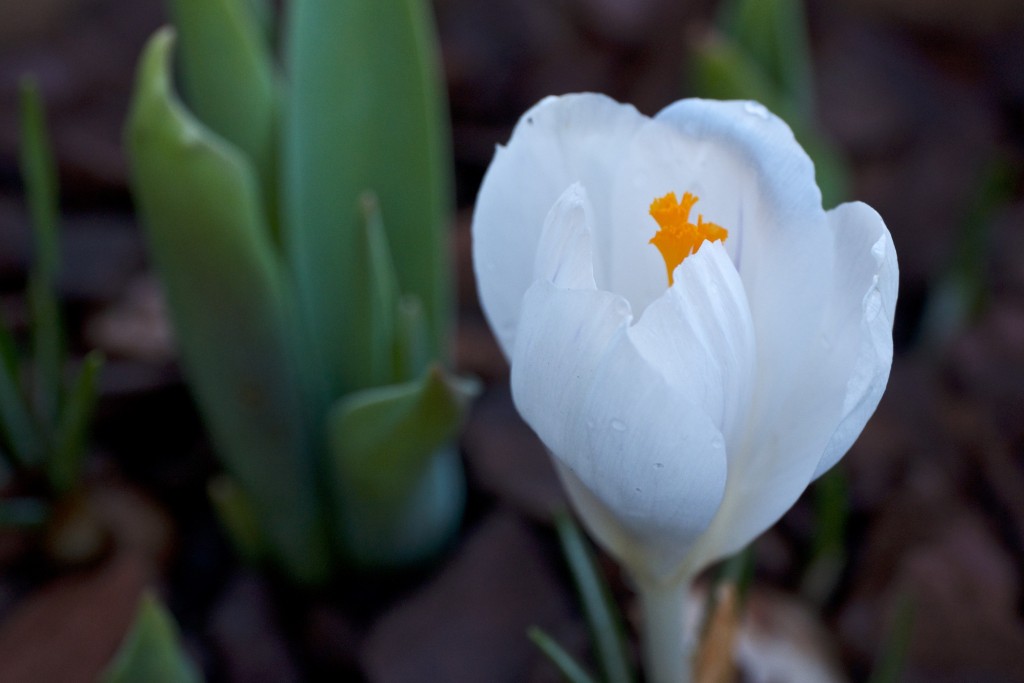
[(600, 609), (774, 34), (264, 13), (18, 428), (374, 298), (412, 343), (828, 554), (892, 660), (150, 651), (830, 168), (959, 295), (570, 669), (40, 174), (229, 302), (398, 487), (65, 464), (228, 80), (365, 112), (720, 70), (236, 514)]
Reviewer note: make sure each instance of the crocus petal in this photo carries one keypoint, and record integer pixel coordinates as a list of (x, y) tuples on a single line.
[(831, 394), (699, 336), (760, 183), (864, 306), (647, 466), (564, 254), (560, 141), (644, 464), (847, 366)]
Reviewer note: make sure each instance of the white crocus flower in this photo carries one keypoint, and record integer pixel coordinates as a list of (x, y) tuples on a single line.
[(684, 418)]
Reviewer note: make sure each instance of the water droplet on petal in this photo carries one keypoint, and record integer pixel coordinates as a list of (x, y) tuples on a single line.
[(718, 442), (756, 109), (618, 425)]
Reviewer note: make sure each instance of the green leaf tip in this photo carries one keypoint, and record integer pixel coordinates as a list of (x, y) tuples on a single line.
[(398, 486), (570, 669), (39, 170), (365, 110), (374, 299), (228, 80), (231, 305), (150, 651), (236, 514), (774, 34), (383, 436), (65, 465)]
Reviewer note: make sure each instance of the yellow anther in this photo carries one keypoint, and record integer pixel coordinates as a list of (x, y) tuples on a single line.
[(677, 237)]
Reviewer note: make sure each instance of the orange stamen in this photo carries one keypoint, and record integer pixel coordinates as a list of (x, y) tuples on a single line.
[(677, 237)]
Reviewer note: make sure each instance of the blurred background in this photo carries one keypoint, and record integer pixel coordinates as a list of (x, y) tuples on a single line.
[(923, 100)]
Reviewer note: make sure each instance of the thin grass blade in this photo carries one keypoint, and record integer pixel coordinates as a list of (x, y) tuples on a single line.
[(65, 464), (570, 669), (18, 428), (39, 171), (598, 606)]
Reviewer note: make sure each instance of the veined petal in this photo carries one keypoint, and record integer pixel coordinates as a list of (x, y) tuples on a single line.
[(560, 141), (862, 312), (831, 394), (699, 336), (646, 467), (564, 253), (756, 180)]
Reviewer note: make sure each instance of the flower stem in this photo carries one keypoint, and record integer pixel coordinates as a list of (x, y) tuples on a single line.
[(667, 649)]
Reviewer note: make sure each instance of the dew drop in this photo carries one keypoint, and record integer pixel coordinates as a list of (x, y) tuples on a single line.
[(756, 109), (618, 425), (718, 442)]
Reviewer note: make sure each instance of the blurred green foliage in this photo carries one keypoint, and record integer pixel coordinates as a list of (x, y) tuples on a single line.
[(297, 209), (150, 651), (44, 416), (760, 51)]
